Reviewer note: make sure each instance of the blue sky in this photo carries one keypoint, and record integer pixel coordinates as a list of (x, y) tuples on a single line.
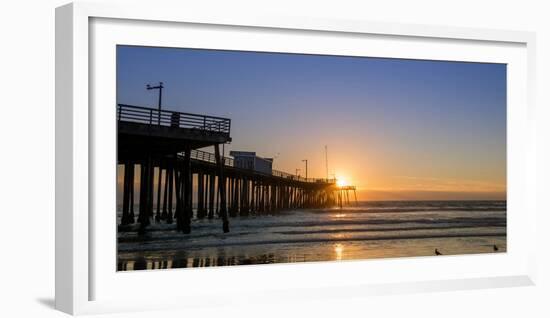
[(391, 125)]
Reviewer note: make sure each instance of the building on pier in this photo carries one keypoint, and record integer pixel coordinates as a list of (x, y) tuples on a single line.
[(249, 160)]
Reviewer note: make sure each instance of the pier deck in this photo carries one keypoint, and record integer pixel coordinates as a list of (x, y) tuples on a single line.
[(166, 132)]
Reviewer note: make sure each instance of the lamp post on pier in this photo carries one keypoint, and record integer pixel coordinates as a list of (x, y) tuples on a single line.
[(159, 87), (305, 160)]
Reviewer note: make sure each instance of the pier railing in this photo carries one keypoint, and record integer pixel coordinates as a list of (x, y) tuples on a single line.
[(230, 162), (208, 157), (151, 116)]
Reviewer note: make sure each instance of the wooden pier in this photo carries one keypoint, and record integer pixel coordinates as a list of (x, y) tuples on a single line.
[(162, 146)]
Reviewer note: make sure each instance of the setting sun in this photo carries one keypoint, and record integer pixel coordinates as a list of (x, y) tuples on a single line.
[(341, 182)]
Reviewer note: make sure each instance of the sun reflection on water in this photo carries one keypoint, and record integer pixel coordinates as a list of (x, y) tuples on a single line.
[(339, 250)]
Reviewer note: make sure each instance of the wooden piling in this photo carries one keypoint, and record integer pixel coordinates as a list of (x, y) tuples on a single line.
[(126, 197), (132, 171), (143, 217), (221, 184), (171, 180), (187, 192), (150, 187), (178, 175), (159, 183), (164, 215), (211, 194), (201, 212)]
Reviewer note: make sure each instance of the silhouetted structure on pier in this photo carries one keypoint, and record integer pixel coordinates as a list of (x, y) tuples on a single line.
[(342, 195), (163, 144)]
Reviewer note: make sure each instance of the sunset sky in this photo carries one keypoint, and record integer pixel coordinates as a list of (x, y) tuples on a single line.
[(397, 129)]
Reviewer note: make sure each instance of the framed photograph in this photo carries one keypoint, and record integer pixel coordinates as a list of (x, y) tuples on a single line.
[(218, 159)]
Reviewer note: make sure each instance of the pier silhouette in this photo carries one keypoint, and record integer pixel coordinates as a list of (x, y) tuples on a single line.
[(165, 146)]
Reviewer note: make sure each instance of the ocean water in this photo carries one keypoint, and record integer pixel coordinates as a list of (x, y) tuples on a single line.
[(368, 230)]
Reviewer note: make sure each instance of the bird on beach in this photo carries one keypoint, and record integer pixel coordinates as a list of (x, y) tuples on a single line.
[(495, 248), (437, 252)]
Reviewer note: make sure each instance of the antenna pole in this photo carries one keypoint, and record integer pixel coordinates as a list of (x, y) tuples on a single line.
[(326, 160)]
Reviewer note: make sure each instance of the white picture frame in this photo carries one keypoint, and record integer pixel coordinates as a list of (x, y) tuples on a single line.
[(83, 29)]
